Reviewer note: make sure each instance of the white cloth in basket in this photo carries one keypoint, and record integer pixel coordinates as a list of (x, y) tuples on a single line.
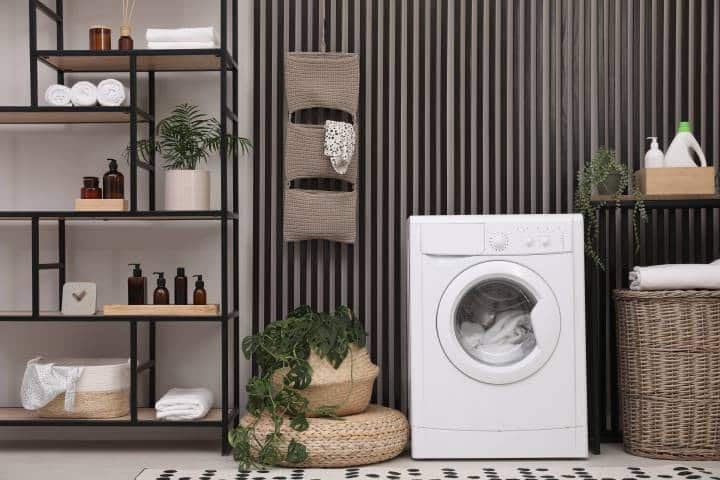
[(339, 144), (676, 277), (182, 404), (43, 381)]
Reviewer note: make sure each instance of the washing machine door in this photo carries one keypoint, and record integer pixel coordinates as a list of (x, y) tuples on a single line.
[(498, 322)]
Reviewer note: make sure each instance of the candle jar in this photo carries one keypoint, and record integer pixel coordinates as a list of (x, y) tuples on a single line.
[(100, 37), (91, 188)]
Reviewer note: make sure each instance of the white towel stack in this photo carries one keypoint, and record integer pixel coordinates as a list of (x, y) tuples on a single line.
[(676, 277), (108, 93), (180, 38), (183, 404)]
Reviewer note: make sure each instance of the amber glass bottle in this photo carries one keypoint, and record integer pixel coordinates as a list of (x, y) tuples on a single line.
[(113, 181), (125, 42), (91, 188), (199, 295), (161, 296)]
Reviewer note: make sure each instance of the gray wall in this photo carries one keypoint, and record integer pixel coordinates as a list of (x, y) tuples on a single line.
[(479, 106), (41, 168)]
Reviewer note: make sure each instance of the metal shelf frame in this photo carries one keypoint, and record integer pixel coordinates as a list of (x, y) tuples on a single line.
[(227, 215)]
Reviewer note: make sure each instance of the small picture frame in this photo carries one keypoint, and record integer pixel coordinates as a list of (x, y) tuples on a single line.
[(79, 298)]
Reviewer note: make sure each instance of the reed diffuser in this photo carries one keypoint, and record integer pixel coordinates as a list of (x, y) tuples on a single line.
[(126, 42)]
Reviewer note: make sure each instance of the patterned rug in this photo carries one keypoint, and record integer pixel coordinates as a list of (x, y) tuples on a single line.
[(437, 471)]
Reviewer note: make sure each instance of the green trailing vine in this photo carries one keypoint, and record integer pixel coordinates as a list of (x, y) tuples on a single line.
[(602, 167), (285, 346)]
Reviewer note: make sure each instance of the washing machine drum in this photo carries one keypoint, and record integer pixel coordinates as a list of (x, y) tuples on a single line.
[(498, 322)]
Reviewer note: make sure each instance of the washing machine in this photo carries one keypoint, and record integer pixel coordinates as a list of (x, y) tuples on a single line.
[(496, 319)]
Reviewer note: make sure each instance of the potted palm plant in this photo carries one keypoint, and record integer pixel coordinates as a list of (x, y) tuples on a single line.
[(185, 139)]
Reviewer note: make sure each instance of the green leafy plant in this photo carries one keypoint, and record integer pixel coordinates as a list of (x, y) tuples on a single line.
[(606, 174), (186, 138), (284, 347)]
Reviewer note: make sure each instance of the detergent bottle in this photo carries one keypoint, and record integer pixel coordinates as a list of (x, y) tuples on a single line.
[(654, 157), (683, 149)]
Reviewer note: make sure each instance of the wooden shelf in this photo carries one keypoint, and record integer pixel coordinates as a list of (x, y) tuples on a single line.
[(143, 215), (26, 316), (145, 417), (660, 201), (63, 115), (194, 60)]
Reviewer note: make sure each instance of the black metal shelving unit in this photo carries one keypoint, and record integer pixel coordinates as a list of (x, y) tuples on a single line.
[(222, 60), (615, 236)]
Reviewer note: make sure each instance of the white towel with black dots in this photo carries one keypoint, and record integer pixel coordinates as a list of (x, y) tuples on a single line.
[(43, 381), (339, 144)]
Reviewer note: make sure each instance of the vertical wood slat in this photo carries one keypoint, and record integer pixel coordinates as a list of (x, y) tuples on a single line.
[(479, 106)]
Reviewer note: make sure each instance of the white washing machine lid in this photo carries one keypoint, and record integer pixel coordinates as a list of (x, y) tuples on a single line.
[(498, 322)]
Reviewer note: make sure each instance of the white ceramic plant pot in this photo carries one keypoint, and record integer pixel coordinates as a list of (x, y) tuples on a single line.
[(187, 190)]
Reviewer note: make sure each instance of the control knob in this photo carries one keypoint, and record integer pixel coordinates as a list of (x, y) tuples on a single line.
[(499, 241)]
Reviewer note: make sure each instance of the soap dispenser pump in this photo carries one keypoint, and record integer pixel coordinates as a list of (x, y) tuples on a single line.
[(654, 157), (137, 286), (199, 295), (113, 181), (161, 296)]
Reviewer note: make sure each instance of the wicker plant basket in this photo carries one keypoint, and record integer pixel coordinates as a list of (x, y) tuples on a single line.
[(103, 391), (669, 373), (337, 387), (376, 435)]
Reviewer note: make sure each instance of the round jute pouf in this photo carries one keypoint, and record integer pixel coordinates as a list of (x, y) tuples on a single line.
[(373, 436), (348, 388)]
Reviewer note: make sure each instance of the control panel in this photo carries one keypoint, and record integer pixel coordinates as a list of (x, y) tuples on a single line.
[(528, 238)]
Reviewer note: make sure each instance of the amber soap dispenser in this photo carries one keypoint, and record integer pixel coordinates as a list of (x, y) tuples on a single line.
[(113, 182), (199, 295), (161, 296), (137, 286)]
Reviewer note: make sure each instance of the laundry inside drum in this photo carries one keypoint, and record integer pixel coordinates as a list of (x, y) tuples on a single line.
[(493, 324)]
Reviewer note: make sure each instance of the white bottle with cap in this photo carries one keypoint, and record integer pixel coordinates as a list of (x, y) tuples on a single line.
[(654, 157)]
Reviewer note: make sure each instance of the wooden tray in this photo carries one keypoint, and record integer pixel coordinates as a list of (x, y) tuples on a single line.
[(676, 181), (101, 205), (163, 310)]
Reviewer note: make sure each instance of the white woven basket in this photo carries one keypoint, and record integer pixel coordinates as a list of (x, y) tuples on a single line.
[(103, 390)]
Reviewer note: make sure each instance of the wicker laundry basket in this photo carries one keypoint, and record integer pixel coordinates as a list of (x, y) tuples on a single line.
[(669, 373), (350, 392), (103, 390), (376, 435)]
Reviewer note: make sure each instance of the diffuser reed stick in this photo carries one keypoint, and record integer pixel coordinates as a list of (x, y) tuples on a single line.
[(128, 7)]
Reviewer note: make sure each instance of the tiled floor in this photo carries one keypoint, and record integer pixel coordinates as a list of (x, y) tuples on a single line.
[(124, 460)]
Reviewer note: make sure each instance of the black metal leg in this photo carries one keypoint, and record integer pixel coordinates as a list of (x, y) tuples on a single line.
[(61, 260), (151, 132), (33, 55), (133, 371), (153, 364), (133, 133), (35, 254)]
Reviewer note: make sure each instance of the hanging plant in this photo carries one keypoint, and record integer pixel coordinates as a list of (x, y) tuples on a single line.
[(284, 347), (605, 175)]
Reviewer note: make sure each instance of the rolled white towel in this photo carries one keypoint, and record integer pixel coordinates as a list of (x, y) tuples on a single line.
[(180, 45), (83, 94), (182, 404), (676, 277), (111, 93), (201, 34), (58, 96)]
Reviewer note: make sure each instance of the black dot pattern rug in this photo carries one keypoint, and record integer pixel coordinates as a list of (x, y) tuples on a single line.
[(436, 471)]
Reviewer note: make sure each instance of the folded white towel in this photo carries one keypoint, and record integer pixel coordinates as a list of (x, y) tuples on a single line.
[(201, 34), (181, 404), (43, 381), (58, 96), (339, 144), (676, 277), (83, 94), (111, 93), (180, 45)]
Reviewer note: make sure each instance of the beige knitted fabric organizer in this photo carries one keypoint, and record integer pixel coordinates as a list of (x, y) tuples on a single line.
[(319, 80)]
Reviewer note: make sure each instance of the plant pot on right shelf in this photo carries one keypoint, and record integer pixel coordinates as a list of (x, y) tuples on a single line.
[(611, 184), (187, 190)]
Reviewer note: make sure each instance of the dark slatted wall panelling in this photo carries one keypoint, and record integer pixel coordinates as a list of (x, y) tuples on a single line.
[(480, 106)]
